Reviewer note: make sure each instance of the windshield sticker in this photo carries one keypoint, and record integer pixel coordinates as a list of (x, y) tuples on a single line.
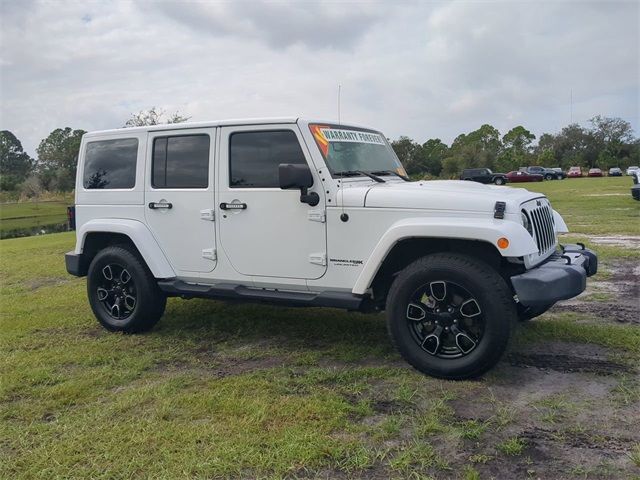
[(337, 135), (324, 134)]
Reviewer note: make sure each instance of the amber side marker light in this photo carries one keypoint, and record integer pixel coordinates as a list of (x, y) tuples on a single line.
[(502, 242)]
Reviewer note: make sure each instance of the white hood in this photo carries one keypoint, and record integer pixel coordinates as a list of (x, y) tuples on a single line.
[(454, 195)]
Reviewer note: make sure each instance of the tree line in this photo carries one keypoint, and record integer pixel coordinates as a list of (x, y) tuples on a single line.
[(606, 142)]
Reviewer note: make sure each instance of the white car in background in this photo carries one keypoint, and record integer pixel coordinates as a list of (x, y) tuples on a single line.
[(633, 170)]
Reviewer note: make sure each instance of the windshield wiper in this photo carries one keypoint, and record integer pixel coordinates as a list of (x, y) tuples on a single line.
[(353, 173), (392, 172)]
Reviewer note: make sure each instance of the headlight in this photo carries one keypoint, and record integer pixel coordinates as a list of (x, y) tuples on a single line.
[(526, 223)]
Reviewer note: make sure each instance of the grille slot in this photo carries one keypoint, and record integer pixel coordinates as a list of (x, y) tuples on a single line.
[(543, 229)]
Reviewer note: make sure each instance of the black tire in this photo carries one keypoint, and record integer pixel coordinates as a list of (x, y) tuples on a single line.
[(487, 287), (111, 299), (499, 181), (529, 313), (548, 176)]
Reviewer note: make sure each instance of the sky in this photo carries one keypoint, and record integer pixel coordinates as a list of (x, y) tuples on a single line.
[(421, 69)]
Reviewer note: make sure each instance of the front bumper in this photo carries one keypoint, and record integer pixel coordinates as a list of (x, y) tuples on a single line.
[(563, 275)]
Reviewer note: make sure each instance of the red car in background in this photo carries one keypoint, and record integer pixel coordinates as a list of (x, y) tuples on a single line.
[(574, 172), (521, 176), (594, 172)]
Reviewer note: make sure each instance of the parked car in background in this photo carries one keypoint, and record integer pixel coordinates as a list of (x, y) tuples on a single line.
[(632, 169), (547, 173), (574, 172), (615, 172), (594, 172), (560, 173), (520, 176), (483, 175), (635, 190)]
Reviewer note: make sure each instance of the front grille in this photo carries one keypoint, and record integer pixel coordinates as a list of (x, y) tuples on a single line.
[(543, 229)]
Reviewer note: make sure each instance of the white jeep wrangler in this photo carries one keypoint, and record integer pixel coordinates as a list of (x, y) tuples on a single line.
[(314, 214)]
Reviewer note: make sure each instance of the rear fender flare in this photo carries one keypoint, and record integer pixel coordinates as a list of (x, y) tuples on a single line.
[(139, 234)]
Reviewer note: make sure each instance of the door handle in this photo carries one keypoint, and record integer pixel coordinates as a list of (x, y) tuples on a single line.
[(233, 206), (157, 205)]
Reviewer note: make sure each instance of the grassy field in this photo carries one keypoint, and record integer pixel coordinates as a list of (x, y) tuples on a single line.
[(219, 391), (26, 215)]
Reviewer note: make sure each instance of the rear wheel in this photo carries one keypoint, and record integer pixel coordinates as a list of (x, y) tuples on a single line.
[(548, 176), (499, 181), (450, 315), (123, 294)]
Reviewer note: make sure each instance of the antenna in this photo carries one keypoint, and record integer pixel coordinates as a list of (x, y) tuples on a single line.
[(571, 106), (339, 88)]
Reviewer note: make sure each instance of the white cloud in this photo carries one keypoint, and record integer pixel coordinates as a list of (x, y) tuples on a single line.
[(420, 69)]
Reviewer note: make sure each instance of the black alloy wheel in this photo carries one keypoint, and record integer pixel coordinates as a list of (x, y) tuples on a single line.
[(445, 319), (116, 291)]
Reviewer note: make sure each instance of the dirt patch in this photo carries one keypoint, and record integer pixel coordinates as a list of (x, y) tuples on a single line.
[(622, 290), (566, 363), (578, 439), (626, 241), (36, 283)]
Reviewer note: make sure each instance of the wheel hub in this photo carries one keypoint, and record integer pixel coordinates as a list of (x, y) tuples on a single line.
[(445, 319)]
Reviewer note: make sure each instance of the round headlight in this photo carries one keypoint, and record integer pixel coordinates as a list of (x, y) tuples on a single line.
[(526, 223)]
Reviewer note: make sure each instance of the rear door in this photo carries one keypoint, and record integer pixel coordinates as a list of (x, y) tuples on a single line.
[(179, 203)]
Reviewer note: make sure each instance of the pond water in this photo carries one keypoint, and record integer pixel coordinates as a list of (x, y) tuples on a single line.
[(35, 230)]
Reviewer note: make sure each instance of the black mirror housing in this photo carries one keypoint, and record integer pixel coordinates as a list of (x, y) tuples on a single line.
[(293, 175)]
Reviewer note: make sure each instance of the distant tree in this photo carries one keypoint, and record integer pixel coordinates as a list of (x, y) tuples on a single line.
[(58, 159), (15, 163), (434, 151), (31, 188), (408, 153), (479, 148), (154, 116), (610, 136), (516, 148)]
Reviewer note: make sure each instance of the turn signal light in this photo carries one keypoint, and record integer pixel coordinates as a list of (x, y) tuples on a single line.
[(502, 242)]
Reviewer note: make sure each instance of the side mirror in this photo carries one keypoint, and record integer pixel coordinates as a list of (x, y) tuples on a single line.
[(298, 176)]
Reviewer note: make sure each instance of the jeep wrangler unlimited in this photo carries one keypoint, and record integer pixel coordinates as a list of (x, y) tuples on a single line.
[(301, 213)]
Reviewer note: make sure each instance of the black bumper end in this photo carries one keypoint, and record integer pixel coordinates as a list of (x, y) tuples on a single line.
[(76, 264), (561, 277)]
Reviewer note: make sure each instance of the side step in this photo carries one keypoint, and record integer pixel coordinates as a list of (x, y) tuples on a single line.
[(229, 291)]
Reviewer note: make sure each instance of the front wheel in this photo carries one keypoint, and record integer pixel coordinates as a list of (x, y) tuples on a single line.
[(123, 294), (499, 181), (548, 176), (450, 315)]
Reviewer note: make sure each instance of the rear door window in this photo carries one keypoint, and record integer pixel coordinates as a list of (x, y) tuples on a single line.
[(180, 161)]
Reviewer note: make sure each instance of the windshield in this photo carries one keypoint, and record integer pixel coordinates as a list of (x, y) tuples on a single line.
[(348, 149)]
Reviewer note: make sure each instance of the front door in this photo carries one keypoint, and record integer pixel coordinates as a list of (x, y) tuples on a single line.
[(266, 231), (179, 203)]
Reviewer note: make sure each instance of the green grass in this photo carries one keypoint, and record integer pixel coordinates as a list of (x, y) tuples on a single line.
[(598, 206), (512, 446), (219, 390), (24, 215)]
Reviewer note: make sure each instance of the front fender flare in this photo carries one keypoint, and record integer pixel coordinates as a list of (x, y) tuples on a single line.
[(139, 234), (488, 230)]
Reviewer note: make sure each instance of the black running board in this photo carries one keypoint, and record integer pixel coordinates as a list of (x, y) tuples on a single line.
[(229, 291)]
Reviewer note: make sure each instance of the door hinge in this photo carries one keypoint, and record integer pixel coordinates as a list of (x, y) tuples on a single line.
[(317, 216), (318, 259), (207, 214), (209, 253)]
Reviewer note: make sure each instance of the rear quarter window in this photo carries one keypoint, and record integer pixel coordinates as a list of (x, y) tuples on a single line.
[(110, 164)]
